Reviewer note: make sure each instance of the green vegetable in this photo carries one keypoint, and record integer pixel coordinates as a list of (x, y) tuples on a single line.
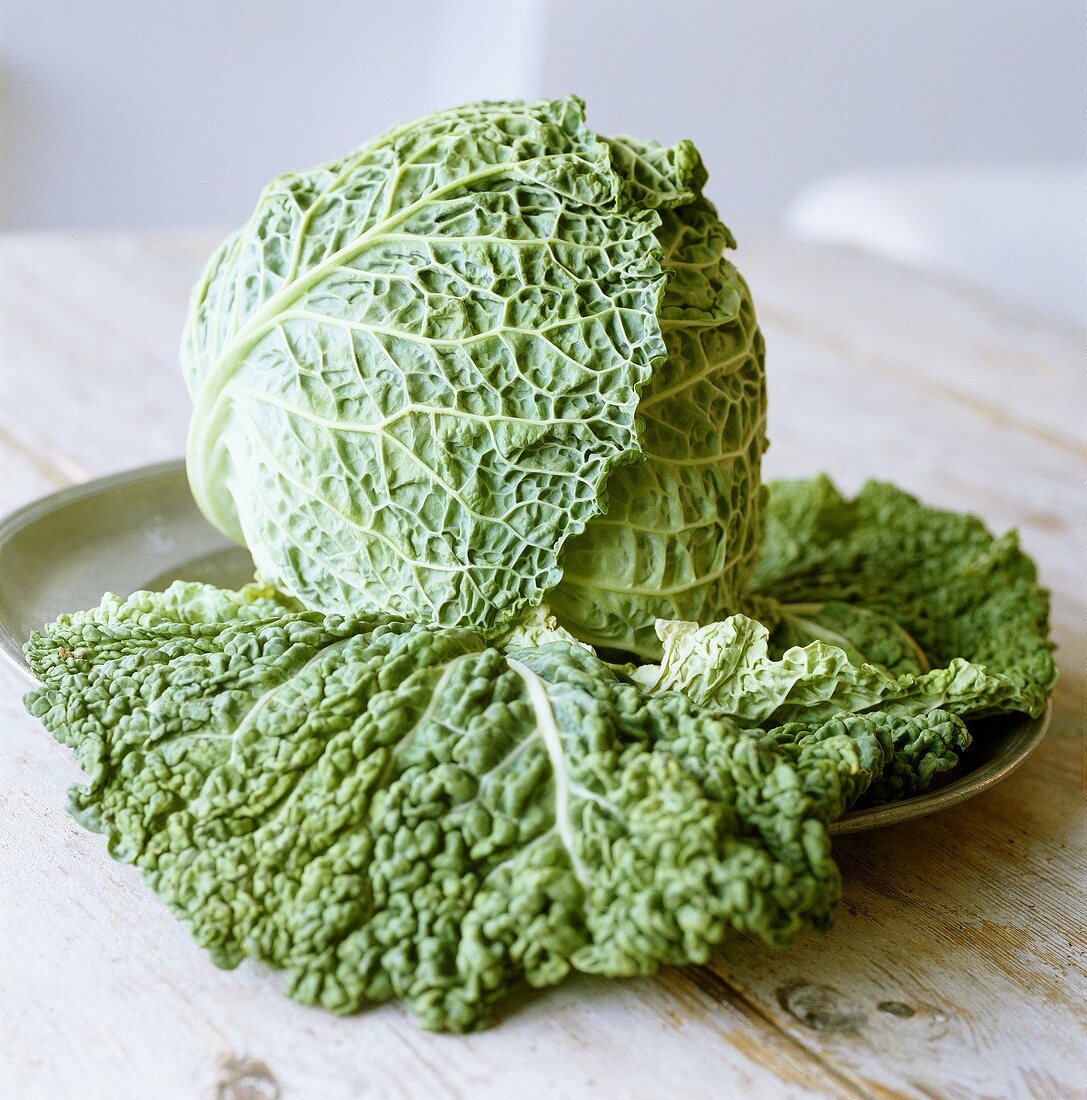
[(679, 540), (865, 635), (416, 376), (968, 601), (728, 666), (386, 810), (486, 401)]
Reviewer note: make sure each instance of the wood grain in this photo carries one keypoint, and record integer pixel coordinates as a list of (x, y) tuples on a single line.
[(957, 966)]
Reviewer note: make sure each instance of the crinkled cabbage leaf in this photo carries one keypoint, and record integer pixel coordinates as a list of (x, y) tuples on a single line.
[(386, 810), (728, 665), (931, 595), (679, 539)]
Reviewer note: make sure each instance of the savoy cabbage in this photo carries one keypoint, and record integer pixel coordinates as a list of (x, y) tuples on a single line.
[(537, 676), (421, 374)]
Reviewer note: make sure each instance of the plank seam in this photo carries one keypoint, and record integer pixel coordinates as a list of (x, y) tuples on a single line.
[(720, 988)]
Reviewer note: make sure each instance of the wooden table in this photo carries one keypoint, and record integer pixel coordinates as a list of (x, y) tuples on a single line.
[(957, 965)]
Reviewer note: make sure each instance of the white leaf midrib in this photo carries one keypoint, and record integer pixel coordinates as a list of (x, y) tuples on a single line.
[(566, 787)]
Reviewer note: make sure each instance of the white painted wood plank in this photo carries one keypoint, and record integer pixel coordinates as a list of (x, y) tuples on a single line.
[(105, 994), (89, 333), (945, 337), (26, 473), (873, 371)]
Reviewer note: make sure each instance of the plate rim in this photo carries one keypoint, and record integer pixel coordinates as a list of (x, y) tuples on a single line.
[(981, 779), (11, 648), (959, 790)]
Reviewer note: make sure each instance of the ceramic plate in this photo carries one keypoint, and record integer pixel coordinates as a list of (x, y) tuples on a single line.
[(141, 529)]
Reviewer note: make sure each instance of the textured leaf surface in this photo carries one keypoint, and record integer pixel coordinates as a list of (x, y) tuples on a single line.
[(727, 667), (965, 597), (865, 635), (393, 811), (679, 537), (422, 374), (538, 627), (414, 368)]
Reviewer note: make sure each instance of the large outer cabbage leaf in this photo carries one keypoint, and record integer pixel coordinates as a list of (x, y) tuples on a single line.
[(416, 376), (969, 601), (386, 810)]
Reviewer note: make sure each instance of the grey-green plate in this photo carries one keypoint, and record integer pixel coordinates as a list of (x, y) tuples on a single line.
[(141, 529)]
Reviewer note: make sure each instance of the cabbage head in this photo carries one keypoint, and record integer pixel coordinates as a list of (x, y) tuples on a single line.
[(488, 358)]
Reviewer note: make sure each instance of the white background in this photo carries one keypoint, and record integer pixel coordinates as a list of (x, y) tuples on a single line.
[(164, 113)]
